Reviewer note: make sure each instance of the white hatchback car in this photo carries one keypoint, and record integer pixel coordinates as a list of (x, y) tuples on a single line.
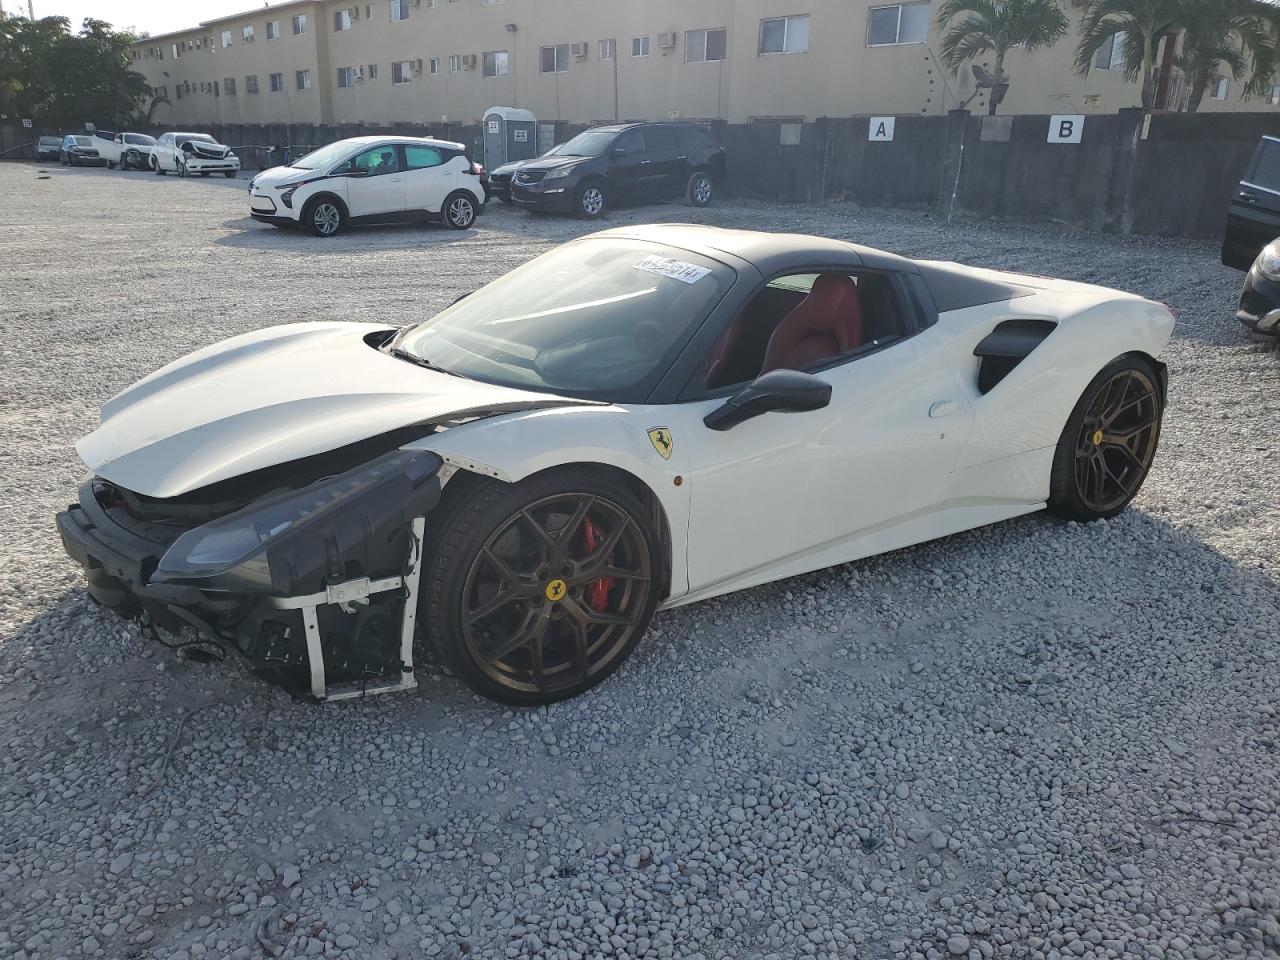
[(187, 154), (371, 180)]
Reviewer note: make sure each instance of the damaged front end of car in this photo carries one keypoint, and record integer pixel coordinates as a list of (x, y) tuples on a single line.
[(308, 570)]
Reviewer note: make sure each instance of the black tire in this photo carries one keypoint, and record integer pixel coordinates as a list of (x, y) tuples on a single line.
[(110, 165), (700, 189), (228, 174), (181, 167), (205, 173), (459, 210), (506, 200), (575, 649), (324, 217), (1109, 443), (591, 200)]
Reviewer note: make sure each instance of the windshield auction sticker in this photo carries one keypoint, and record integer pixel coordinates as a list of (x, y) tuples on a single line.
[(674, 269)]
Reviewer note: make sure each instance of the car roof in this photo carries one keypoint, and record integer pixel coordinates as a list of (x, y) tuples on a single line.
[(374, 141), (770, 253)]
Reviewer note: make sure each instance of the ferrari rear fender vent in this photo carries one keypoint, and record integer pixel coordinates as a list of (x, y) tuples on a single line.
[(1006, 346)]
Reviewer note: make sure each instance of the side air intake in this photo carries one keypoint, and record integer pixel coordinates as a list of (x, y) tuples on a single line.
[(1007, 346)]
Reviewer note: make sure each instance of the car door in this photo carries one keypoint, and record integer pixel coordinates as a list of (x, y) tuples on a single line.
[(784, 487), (164, 152), (627, 169), (667, 160), (429, 177), (1253, 219), (375, 181)]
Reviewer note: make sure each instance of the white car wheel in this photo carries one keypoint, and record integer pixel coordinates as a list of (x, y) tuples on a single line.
[(460, 211)]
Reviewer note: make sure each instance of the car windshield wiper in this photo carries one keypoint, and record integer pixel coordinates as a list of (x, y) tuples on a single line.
[(400, 353)]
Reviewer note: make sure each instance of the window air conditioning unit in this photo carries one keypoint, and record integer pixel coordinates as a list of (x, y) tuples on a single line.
[(666, 41), (355, 13), (417, 65), (579, 50), (469, 61), (357, 73)]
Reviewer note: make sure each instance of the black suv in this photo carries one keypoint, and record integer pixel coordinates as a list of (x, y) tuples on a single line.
[(1253, 219), (623, 162)]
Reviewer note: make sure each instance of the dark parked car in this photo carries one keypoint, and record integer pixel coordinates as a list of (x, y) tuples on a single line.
[(80, 151), (500, 177), (1253, 219), (49, 148), (622, 162)]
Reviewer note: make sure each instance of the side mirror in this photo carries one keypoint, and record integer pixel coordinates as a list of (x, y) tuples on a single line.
[(778, 391)]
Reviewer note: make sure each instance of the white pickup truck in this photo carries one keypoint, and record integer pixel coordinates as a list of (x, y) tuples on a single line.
[(128, 151)]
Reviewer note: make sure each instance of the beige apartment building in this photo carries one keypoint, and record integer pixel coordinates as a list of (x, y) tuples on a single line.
[(590, 61)]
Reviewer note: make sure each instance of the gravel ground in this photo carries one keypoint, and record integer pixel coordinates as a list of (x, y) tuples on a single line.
[(1034, 740)]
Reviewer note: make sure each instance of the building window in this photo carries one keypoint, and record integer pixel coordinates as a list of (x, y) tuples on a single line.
[(229, 86), (1110, 55), (341, 20), (639, 46), (402, 71), (399, 10), (495, 63), (373, 71), (785, 35), (303, 77), (1273, 95), (273, 29), (608, 49), (277, 82), (705, 46), (299, 24), (1219, 87), (251, 84), (900, 23), (346, 76), (554, 59), (435, 65), (455, 63), (226, 38), (247, 34)]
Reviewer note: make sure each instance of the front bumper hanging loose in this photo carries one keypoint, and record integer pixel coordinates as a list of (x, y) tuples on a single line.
[(320, 586)]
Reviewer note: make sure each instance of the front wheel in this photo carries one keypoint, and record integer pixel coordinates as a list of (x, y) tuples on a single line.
[(541, 589), (591, 201), (182, 167), (460, 210), (699, 190), (324, 217), (1109, 443)]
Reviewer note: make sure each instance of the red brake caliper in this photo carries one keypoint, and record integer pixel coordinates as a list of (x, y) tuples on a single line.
[(598, 591)]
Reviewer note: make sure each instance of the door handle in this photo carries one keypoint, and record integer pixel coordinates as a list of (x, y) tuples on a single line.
[(395, 179), (943, 408), (1248, 197)]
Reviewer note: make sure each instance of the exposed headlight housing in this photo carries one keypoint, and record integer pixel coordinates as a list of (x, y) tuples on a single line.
[(561, 172), (1268, 262), (331, 530)]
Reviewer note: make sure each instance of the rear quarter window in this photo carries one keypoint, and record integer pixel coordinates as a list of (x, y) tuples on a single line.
[(1266, 168)]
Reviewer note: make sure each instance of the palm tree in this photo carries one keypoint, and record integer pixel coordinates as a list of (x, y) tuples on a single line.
[(1235, 36), (1204, 55), (1143, 22), (995, 27)]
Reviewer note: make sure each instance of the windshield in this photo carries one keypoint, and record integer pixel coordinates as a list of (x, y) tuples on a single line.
[(325, 157), (81, 141), (48, 141), (592, 143), (140, 139), (599, 318), (182, 138)]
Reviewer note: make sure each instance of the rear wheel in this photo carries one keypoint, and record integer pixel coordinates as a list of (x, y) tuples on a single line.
[(228, 174), (540, 590), (700, 189), (324, 217), (591, 201), (1109, 443), (460, 210)]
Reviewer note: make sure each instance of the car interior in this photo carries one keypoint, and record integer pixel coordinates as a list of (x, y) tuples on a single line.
[(803, 322)]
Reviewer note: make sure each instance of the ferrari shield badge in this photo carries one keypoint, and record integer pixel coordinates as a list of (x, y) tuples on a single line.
[(660, 437)]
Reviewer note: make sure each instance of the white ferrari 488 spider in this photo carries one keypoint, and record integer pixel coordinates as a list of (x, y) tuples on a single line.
[(638, 419)]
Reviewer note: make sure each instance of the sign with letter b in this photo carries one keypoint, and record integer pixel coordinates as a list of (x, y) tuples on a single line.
[(1066, 128)]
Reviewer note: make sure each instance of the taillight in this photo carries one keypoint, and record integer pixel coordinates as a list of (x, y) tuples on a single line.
[(477, 169)]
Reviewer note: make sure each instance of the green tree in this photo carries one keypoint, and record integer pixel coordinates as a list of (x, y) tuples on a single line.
[(976, 28), (62, 78), (1235, 38), (1143, 23)]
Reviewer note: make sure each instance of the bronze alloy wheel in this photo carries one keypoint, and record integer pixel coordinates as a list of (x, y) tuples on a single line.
[(556, 594), (1117, 440)]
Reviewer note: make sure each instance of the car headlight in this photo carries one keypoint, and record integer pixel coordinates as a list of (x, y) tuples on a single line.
[(1268, 262), (269, 545), (561, 172)]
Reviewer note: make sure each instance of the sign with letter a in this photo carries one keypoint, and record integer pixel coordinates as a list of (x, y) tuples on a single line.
[(1066, 128), (881, 129)]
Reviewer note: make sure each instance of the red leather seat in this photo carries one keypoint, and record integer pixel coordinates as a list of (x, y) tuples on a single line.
[(827, 323)]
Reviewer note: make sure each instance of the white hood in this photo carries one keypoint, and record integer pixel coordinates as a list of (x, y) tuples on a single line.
[(280, 176), (271, 397)]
